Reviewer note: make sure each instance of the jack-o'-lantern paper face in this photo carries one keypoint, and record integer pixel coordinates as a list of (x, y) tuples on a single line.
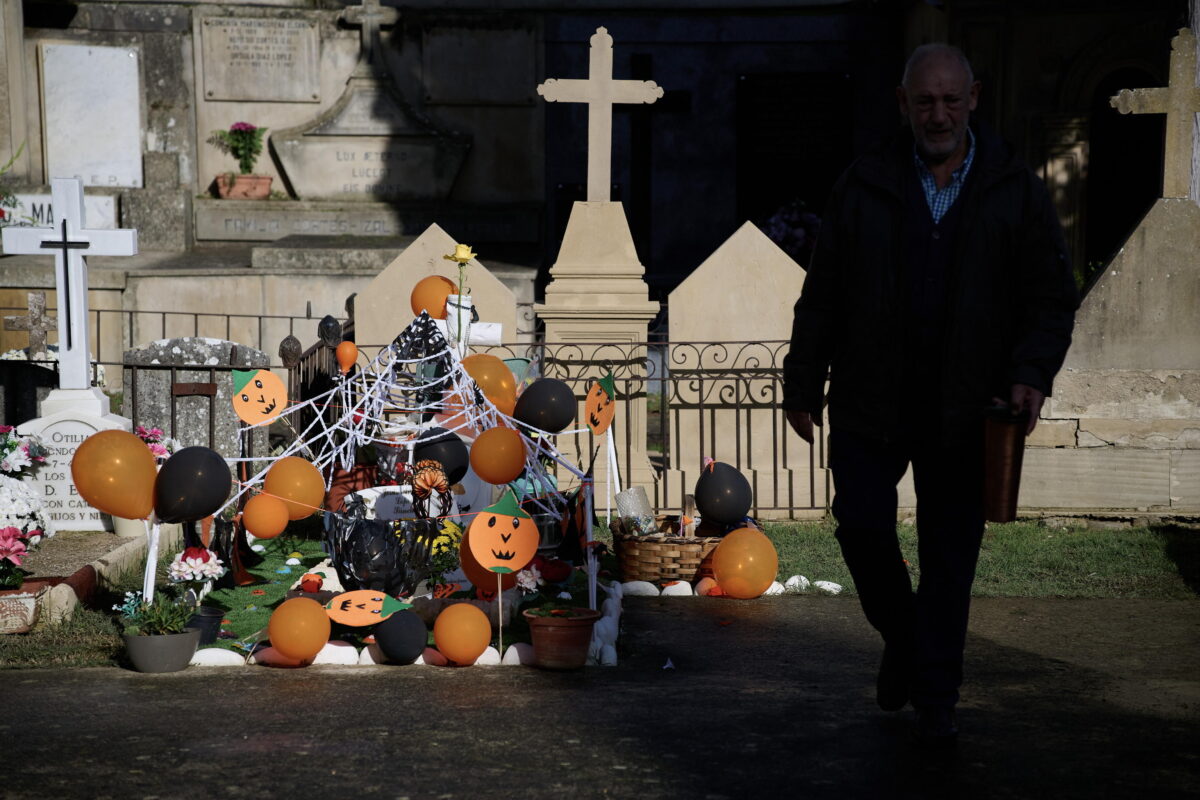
[(363, 607), (258, 396), (503, 537), (600, 405)]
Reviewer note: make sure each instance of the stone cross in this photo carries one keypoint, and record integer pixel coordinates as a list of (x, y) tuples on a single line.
[(1179, 100), (36, 322), (600, 91), (370, 16), (68, 239)]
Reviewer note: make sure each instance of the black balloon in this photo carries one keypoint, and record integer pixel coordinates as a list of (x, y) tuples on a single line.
[(546, 404), (193, 484), (445, 448), (722, 494), (402, 637)]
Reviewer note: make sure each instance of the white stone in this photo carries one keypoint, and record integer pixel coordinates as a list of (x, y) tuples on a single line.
[(342, 653), (797, 583), (258, 548), (518, 653), (371, 654), (828, 586), (292, 562), (488, 658), (640, 589), (677, 589), (608, 656), (775, 588), (36, 208), (432, 657), (704, 586), (92, 105), (217, 657), (605, 630)]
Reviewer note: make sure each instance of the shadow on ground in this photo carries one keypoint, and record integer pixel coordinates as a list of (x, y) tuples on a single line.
[(1066, 699)]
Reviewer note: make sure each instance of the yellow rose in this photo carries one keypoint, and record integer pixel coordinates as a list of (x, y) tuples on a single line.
[(462, 254)]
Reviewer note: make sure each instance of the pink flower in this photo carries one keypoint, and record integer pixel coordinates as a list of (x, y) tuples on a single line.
[(239, 127), (5, 428), (158, 450), (11, 547), (156, 433)]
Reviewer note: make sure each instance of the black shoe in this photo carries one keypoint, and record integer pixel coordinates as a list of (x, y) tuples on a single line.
[(935, 726), (891, 688)]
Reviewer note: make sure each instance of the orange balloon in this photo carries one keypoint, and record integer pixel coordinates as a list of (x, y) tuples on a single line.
[(265, 516), (505, 405), (430, 295), (453, 416), (298, 484), (114, 471), (498, 455), (477, 575), (299, 628), (347, 354), (492, 375), (462, 632), (745, 563)]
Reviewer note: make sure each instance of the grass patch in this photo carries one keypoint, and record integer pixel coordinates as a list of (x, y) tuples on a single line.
[(1028, 559)]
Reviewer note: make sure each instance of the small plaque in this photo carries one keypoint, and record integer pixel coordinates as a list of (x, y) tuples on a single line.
[(260, 59)]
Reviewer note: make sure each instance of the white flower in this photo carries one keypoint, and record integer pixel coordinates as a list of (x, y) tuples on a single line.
[(528, 579), (20, 506), (15, 461)]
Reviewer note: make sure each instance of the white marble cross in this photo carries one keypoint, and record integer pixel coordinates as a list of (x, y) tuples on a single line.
[(600, 91), (1179, 100), (370, 16), (68, 240)]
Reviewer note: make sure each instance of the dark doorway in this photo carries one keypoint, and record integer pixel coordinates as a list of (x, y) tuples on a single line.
[(1124, 170), (795, 134)]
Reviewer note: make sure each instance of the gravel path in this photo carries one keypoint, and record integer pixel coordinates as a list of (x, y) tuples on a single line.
[(67, 551)]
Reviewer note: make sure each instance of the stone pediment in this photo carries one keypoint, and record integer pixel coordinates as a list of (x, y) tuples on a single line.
[(369, 146)]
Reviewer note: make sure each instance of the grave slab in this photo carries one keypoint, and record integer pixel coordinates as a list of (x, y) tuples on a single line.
[(92, 113)]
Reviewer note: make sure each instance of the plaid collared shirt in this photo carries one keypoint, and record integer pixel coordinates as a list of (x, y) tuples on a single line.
[(940, 200)]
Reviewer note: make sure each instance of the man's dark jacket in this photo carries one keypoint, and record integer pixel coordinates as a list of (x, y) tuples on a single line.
[(1011, 297)]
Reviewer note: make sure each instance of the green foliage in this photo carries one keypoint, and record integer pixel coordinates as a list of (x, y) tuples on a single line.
[(89, 639), (243, 141), (164, 615)]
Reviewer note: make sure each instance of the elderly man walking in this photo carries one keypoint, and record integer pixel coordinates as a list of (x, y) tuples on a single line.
[(940, 282)]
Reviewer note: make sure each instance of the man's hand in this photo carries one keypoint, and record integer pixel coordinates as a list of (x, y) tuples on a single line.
[(802, 423), (1027, 398)]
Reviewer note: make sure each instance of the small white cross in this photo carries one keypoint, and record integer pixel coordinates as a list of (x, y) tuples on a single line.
[(68, 239), (599, 91)]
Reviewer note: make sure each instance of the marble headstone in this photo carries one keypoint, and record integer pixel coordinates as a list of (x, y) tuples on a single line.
[(92, 99), (36, 209)]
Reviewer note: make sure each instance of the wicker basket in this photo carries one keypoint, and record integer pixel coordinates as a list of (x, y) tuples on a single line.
[(664, 556)]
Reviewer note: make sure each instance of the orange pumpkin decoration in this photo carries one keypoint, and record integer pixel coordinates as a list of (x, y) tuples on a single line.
[(258, 396), (503, 537), (363, 607), (600, 405), (479, 577)]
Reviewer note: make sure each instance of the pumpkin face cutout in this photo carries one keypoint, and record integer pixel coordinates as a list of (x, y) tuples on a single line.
[(363, 607), (258, 396), (503, 537), (600, 405)]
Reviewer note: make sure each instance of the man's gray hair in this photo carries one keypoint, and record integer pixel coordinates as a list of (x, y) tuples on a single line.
[(939, 49)]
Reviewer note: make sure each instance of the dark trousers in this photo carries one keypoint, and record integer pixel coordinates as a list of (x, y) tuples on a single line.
[(929, 625)]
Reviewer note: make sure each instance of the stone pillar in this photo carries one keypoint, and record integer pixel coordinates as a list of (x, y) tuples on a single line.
[(597, 295), (13, 128)]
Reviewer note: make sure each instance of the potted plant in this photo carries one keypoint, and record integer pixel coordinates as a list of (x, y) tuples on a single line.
[(561, 634), (194, 569), (161, 447), (23, 526), (156, 635), (244, 142)]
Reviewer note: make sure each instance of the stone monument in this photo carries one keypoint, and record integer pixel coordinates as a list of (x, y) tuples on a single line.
[(597, 293), (1122, 429), (76, 409)]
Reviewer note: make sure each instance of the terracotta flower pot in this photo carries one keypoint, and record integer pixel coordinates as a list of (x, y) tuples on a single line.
[(561, 642), (169, 652), (243, 187)]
